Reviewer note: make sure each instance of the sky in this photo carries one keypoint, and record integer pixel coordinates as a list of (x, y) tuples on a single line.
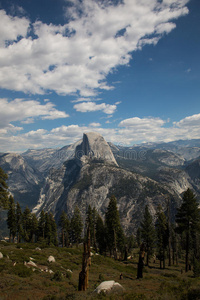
[(127, 69)]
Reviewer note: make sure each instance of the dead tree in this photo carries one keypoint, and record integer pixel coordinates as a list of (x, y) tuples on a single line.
[(86, 262)]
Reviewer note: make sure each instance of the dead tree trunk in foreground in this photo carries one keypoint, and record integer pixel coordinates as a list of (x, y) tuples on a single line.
[(86, 262)]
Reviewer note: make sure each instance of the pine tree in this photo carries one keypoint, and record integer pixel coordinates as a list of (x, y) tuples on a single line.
[(148, 233), (26, 223), (76, 226), (34, 228), (19, 228), (50, 229), (4, 201), (54, 238), (188, 220), (41, 226), (100, 235), (162, 235), (91, 217), (64, 224), (11, 218), (115, 236)]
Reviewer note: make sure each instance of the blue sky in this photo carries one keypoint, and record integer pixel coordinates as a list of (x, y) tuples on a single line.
[(129, 70)]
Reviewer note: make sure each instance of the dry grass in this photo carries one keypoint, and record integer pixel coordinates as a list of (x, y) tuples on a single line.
[(18, 282)]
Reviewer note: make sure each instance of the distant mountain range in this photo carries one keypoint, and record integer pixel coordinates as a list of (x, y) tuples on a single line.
[(91, 170)]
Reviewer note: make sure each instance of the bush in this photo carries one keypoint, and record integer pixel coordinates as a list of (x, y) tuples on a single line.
[(68, 275), (22, 271), (57, 276)]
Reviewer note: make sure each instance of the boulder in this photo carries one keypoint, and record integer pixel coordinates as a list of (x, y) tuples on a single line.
[(109, 287), (1, 255), (51, 259)]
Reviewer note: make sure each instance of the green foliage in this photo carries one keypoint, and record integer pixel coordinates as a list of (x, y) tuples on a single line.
[(11, 218), (58, 276), (68, 275), (100, 235), (76, 226), (114, 233), (162, 234), (3, 190), (22, 271), (188, 220), (65, 228), (148, 232)]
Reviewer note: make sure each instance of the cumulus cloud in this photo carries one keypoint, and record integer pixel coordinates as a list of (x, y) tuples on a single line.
[(77, 57), (92, 106), (26, 111), (95, 124), (129, 132)]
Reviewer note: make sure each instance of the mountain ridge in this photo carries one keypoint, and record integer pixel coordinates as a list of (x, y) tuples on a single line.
[(89, 171)]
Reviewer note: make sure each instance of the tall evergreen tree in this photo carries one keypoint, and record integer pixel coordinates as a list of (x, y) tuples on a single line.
[(65, 225), (91, 217), (115, 236), (41, 225), (11, 219), (19, 227), (162, 235), (26, 223), (76, 226), (188, 220), (54, 237), (34, 228), (148, 233), (100, 235), (4, 202)]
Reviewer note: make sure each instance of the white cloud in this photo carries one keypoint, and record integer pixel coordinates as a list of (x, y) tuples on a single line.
[(92, 106), (95, 124), (78, 56), (26, 110), (189, 122), (128, 132)]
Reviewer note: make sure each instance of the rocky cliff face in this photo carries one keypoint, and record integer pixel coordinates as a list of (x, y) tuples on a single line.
[(91, 170), (24, 181)]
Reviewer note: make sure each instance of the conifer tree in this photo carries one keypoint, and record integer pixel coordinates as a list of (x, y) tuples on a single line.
[(76, 226), (115, 236), (148, 233), (26, 223), (54, 238), (91, 217), (4, 199), (19, 228), (64, 224), (11, 219), (162, 235), (34, 228), (41, 225), (188, 220), (100, 235)]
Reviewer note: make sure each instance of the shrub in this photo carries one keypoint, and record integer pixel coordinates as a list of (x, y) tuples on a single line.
[(22, 271), (57, 276), (68, 275)]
